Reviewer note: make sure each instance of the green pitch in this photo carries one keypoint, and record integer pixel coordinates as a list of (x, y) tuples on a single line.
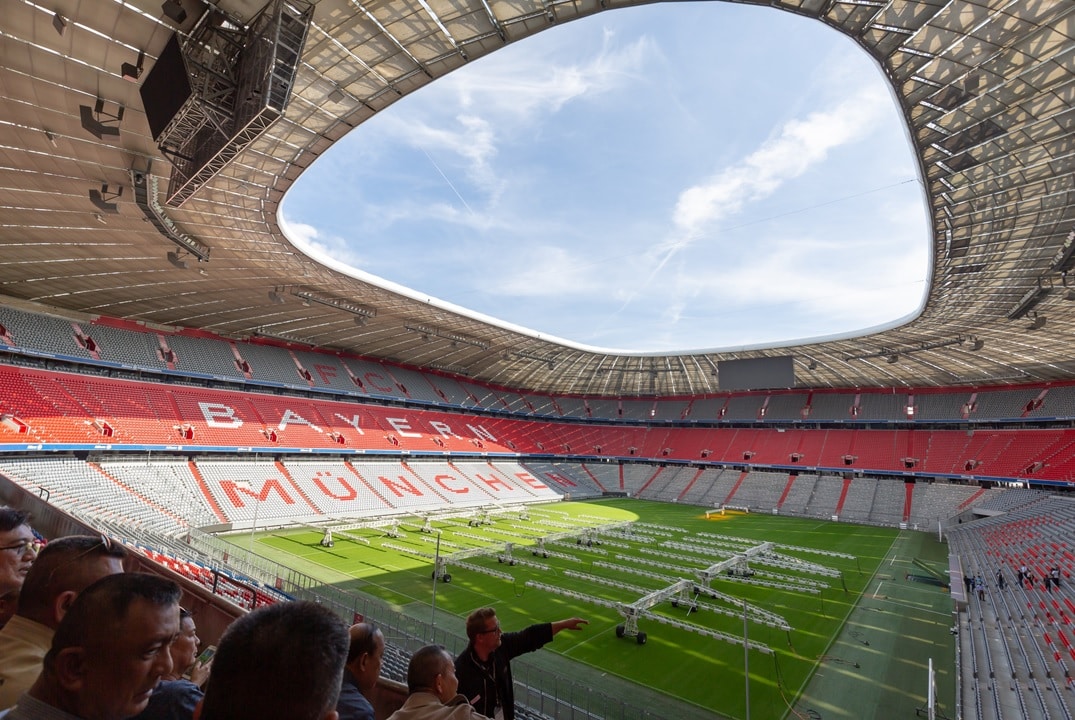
[(678, 540)]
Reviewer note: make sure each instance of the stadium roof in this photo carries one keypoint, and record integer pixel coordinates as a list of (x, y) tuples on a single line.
[(987, 88)]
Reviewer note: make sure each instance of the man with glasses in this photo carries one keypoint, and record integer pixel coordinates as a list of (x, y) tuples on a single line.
[(432, 689), (18, 548), (484, 668), (64, 568)]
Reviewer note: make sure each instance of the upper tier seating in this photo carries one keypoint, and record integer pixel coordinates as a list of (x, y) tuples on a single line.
[(324, 372), (882, 406), (831, 406), (54, 407), (785, 407), (940, 405), (451, 391), (126, 347), (204, 356), (42, 332), (187, 352)]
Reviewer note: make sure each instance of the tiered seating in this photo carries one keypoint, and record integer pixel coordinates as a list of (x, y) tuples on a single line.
[(706, 409), (785, 406), (201, 354), (245, 593), (374, 379), (882, 406), (888, 502), (255, 490), (505, 482), (450, 391), (669, 410), (204, 356), (335, 489), (1059, 402), (57, 407), (542, 405), (604, 409), (798, 494), (1005, 403), (710, 483), (602, 477), (879, 449), (84, 491), (760, 491), (126, 347), (859, 499), (571, 407), (668, 485), (635, 476), (940, 405), (827, 491), (934, 502), (271, 364), (1033, 625), (167, 483), (416, 385), (42, 332), (483, 396), (325, 372), (400, 486), (638, 409), (743, 407), (831, 406), (514, 402), (1006, 500)]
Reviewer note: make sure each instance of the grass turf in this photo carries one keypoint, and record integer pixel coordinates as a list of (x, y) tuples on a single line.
[(701, 670)]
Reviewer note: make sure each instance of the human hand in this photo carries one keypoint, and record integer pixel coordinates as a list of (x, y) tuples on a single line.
[(200, 673), (569, 624)]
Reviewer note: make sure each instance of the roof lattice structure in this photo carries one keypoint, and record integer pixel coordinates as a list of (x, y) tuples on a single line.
[(987, 88)]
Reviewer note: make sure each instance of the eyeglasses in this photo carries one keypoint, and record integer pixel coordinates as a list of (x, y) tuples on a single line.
[(490, 630), (26, 546)]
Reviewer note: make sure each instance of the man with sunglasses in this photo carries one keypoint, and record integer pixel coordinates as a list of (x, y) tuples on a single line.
[(63, 569), (18, 548), (484, 668)]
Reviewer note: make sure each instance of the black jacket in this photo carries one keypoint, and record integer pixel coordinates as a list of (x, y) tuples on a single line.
[(482, 683)]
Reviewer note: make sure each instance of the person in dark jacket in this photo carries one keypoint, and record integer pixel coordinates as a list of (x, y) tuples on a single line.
[(484, 668), (360, 674)]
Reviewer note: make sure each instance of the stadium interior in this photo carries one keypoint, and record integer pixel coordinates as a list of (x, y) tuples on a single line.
[(175, 374)]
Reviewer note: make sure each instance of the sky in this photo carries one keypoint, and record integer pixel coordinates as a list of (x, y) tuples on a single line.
[(663, 178)]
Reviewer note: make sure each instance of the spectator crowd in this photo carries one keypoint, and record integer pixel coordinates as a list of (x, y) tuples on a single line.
[(83, 638)]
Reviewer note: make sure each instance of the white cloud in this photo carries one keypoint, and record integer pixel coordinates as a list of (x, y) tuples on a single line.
[(545, 188), (460, 122), (311, 239), (797, 147), (532, 85)]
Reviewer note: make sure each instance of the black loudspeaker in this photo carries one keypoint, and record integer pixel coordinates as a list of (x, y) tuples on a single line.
[(174, 11)]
